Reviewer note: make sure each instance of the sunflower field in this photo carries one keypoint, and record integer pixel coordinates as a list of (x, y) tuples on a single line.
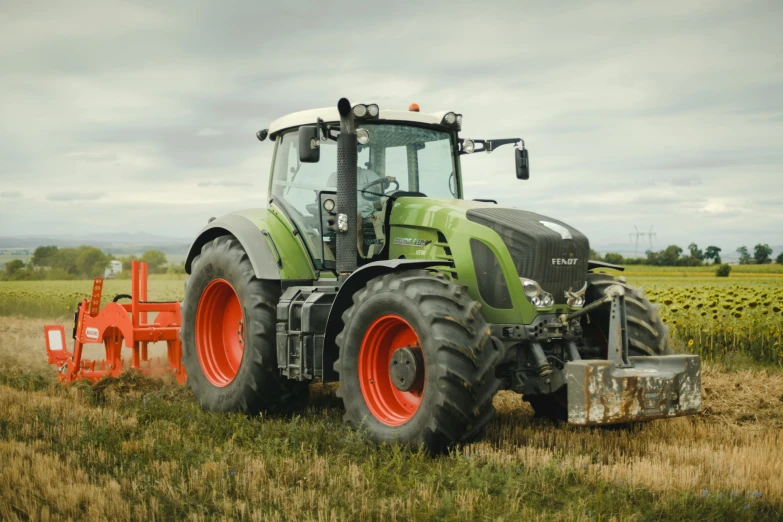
[(723, 320)]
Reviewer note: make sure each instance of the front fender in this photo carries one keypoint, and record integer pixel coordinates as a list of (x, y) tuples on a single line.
[(344, 299)]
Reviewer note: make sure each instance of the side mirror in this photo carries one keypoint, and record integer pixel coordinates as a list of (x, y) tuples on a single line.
[(523, 165), (309, 144)]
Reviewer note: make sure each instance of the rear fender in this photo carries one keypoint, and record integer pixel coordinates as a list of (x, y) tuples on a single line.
[(592, 265), (274, 251), (344, 299)]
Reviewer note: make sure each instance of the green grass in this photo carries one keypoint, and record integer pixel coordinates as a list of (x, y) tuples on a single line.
[(55, 299)]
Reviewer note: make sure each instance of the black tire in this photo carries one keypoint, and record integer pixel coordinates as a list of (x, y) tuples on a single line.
[(647, 335), (458, 381), (257, 385)]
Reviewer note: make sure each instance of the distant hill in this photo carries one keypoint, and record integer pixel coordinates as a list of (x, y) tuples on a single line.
[(98, 240), (121, 243)]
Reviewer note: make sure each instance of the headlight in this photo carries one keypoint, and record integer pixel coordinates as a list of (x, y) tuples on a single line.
[(342, 222), (362, 136), (360, 111), (450, 118), (530, 287), (366, 111), (468, 146), (538, 297)]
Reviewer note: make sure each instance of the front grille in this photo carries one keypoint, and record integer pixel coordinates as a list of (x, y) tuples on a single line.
[(533, 246), (492, 289)]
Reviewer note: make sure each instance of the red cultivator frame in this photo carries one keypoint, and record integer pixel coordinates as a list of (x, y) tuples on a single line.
[(113, 325)]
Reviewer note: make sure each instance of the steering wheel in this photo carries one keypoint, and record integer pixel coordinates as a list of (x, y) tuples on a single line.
[(384, 182)]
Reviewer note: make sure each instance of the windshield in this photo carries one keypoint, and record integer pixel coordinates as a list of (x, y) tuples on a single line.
[(396, 157)]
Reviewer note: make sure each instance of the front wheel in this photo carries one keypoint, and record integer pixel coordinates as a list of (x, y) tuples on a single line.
[(416, 363)]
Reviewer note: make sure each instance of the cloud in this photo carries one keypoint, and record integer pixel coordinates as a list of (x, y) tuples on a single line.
[(718, 208), (74, 196), (661, 201), (224, 184), (209, 131), (11, 194), (92, 156), (689, 181)]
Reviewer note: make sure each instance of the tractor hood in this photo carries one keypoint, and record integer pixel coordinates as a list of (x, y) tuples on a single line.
[(544, 249)]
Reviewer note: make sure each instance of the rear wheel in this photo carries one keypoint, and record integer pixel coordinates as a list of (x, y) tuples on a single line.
[(647, 335), (228, 334), (219, 333), (416, 361)]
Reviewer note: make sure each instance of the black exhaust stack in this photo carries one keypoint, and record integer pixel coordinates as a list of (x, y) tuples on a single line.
[(346, 191)]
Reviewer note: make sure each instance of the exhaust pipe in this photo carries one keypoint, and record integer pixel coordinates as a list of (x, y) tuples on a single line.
[(346, 191)]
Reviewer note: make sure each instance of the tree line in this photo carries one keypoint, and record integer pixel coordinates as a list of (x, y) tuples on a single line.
[(672, 255), (84, 262)]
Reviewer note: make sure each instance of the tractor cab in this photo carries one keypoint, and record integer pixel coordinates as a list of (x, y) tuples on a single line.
[(399, 153)]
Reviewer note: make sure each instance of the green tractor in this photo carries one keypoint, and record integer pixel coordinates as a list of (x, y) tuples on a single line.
[(368, 268)]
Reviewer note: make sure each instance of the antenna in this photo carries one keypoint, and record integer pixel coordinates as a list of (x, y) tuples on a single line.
[(631, 236)]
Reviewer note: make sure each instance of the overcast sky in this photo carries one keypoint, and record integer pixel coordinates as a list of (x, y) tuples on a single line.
[(141, 116)]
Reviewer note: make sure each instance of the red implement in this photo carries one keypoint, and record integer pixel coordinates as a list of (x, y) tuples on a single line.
[(115, 324)]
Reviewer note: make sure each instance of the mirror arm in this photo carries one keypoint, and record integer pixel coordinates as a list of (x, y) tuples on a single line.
[(490, 145), (323, 131), (494, 144)]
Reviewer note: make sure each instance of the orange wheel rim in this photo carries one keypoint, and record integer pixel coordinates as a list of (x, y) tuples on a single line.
[(391, 339), (220, 333)]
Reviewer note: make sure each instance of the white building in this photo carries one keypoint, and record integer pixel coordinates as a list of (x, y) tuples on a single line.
[(114, 268)]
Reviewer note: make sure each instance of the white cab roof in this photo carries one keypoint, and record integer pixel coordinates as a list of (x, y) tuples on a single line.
[(330, 115)]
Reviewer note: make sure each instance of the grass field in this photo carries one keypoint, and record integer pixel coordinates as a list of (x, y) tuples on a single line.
[(137, 448), (59, 298), (736, 270)]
